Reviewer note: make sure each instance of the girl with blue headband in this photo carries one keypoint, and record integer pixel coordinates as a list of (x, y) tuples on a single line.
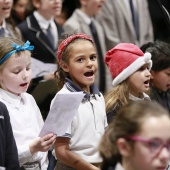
[(25, 116)]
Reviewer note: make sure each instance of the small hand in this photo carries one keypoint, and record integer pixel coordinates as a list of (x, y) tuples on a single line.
[(42, 144)]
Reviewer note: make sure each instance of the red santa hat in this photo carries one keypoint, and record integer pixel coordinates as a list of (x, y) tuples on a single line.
[(125, 59)]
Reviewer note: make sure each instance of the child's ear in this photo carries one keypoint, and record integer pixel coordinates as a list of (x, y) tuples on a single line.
[(152, 74), (64, 66), (36, 3), (123, 147)]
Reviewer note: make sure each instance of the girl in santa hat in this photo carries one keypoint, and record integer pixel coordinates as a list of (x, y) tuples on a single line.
[(129, 68)]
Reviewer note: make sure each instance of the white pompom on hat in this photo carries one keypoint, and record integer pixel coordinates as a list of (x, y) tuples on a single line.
[(125, 59)]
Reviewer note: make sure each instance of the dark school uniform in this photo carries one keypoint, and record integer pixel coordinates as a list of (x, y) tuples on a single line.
[(8, 149), (163, 98)]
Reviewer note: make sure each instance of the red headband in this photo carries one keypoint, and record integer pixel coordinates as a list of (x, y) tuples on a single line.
[(68, 40)]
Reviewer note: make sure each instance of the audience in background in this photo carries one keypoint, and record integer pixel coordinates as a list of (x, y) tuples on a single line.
[(159, 12), (43, 32), (18, 12), (67, 9), (7, 27), (126, 21)]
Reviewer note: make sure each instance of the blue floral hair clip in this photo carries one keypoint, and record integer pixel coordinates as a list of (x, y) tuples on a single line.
[(17, 48)]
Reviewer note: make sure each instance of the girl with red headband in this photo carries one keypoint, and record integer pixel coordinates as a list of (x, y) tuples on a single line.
[(77, 66)]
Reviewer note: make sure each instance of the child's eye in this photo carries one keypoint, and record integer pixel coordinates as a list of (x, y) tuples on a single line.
[(143, 68), (16, 71), (28, 68), (80, 60), (93, 57), (154, 145), (168, 74)]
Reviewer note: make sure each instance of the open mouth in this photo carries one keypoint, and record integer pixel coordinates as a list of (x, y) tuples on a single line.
[(168, 86), (7, 8), (146, 82), (24, 84), (161, 168), (89, 73)]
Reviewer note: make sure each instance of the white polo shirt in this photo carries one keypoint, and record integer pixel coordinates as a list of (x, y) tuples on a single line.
[(87, 127), (26, 121)]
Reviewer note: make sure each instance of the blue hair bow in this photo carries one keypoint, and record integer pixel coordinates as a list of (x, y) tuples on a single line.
[(17, 48)]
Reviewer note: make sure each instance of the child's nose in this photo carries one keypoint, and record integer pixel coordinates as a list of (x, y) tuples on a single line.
[(58, 1), (7, 1), (25, 74), (148, 72), (165, 154), (89, 63)]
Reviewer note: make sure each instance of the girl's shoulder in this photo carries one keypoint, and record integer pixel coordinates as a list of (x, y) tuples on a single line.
[(27, 96), (63, 90), (99, 97), (28, 99)]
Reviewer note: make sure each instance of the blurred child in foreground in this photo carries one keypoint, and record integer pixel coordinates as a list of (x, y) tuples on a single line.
[(136, 140)]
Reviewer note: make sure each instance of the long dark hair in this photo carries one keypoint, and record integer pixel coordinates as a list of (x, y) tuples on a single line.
[(160, 54)]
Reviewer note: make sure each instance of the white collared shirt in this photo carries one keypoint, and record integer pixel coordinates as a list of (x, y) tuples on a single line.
[(5, 28), (134, 98), (87, 127), (126, 2), (44, 24), (26, 121), (119, 167)]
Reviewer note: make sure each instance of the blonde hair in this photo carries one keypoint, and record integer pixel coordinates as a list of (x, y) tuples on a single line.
[(117, 96)]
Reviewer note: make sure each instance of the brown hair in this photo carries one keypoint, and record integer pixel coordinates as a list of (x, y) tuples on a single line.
[(128, 122), (6, 47), (60, 73)]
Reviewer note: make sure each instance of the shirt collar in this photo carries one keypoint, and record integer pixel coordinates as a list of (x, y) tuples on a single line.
[(43, 23), (3, 24), (119, 166), (73, 88), (11, 98), (133, 98)]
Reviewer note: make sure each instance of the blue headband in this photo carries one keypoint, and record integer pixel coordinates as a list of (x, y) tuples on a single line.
[(17, 48)]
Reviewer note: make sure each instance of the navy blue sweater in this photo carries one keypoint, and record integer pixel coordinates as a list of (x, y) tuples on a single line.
[(8, 149)]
